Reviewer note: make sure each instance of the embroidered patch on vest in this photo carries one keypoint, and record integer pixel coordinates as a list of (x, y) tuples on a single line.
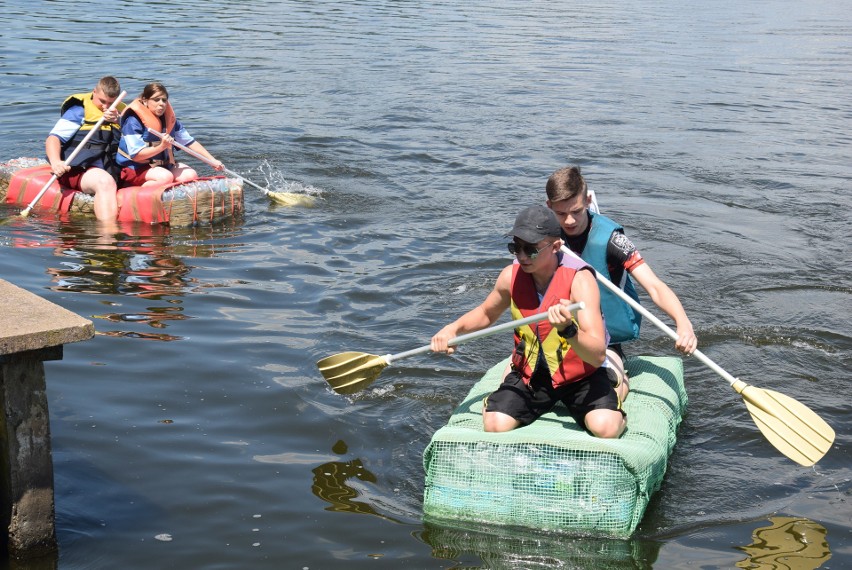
[(623, 243)]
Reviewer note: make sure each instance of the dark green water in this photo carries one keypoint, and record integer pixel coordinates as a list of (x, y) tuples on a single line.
[(717, 134)]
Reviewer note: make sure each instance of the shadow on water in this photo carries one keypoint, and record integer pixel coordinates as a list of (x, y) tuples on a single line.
[(80, 483)]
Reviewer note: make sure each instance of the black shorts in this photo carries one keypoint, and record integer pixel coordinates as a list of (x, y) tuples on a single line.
[(528, 403)]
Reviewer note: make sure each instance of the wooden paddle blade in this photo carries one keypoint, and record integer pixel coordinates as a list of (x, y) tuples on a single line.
[(349, 372), (292, 198), (793, 428)]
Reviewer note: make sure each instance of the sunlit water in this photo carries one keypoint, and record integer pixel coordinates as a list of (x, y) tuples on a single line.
[(194, 431)]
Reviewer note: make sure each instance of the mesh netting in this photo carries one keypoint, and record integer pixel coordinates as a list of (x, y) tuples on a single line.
[(552, 475)]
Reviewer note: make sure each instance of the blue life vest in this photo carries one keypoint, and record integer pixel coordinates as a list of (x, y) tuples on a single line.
[(103, 144), (622, 321)]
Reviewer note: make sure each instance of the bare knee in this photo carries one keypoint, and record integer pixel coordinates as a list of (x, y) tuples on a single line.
[(97, 181), (185, 175), (158, 175), (605, 423), (106, 190), (498, 422)]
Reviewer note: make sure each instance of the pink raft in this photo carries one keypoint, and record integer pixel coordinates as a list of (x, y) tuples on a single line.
[(203, 201)]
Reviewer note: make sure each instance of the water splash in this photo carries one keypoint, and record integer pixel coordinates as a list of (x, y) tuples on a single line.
[(276, 180)]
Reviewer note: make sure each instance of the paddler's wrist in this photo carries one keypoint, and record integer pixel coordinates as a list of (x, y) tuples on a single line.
[(570, 330)]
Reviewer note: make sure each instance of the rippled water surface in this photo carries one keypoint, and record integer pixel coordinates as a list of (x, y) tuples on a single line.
[(194, 431)]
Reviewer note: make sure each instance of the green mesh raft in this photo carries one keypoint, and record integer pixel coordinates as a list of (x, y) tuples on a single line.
[(552, 475)]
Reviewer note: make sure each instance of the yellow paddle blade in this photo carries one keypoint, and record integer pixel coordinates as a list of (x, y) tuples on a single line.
[(349, 372), (793, 428), (292, 198)]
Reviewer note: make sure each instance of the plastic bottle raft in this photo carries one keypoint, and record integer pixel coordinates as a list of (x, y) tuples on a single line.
[(552, 475), (203, 201)]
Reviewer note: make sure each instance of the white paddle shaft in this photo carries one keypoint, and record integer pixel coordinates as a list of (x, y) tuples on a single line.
[(481, 333), (660, 324), (206, 160), (74, 154)]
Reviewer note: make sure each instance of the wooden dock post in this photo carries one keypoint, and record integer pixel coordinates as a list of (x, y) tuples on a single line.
[(32, 330)]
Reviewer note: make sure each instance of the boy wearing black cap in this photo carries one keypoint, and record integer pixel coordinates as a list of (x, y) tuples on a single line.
[(554, 360)]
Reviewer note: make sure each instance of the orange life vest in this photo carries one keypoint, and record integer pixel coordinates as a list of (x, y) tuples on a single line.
[(149, 120)]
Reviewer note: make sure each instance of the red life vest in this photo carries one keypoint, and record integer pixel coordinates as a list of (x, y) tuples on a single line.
[(540, 339)]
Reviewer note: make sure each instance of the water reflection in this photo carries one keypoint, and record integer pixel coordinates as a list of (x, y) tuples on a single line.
[(789, 543), (515, 548), (139, 260), (330, 484), (125, 271)]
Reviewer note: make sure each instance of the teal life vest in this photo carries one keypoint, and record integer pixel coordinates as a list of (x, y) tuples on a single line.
[(622, 321)]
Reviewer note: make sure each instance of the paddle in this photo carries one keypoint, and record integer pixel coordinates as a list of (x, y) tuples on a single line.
[(286, 198), (793, 428), (26, 211), (349, 372)]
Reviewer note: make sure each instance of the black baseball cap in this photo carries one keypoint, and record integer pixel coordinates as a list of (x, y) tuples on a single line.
[(536, 223)]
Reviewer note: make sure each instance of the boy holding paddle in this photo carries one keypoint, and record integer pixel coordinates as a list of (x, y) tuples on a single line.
[(554, 360), (93, 170), (601, 242)]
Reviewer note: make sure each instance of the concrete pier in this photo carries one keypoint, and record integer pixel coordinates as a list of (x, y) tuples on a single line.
[(32, 330)]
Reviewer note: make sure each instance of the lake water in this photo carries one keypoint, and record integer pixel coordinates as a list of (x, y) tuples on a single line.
[(194, 431)]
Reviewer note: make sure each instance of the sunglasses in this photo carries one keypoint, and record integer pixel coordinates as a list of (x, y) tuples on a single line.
[(529, 249)]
